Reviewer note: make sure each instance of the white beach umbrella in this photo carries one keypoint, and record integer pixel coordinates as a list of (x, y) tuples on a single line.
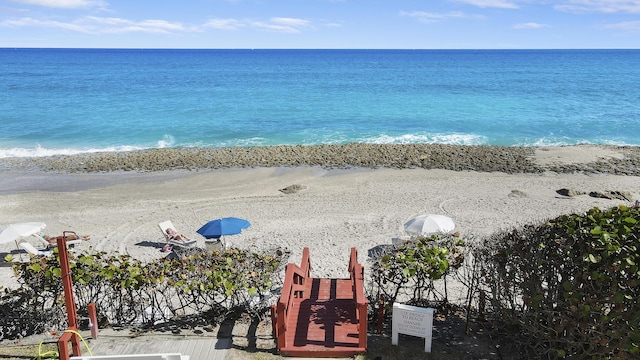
[(429, 224), (15, 231)]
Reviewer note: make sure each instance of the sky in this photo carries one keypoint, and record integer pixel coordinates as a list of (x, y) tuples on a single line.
[(321, 24)]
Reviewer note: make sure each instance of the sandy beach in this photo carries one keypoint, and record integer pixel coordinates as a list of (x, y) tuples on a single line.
[(334, 210)]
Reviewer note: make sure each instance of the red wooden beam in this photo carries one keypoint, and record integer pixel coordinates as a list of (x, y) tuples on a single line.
[(69, 302), (295, 283), (357, 276), (93, 320), (305, 264)]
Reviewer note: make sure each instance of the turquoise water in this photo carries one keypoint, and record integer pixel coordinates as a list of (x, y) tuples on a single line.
[(65, 101)]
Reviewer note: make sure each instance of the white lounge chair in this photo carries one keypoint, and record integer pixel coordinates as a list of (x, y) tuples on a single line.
[(166, 225), (51, 245), (33, 251)]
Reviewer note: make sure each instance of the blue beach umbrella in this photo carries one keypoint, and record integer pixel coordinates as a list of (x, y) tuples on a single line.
[(223, 226)]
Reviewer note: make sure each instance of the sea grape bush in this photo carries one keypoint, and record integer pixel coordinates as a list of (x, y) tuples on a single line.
[(24, 312), (407, 271), (568, 288), (127, 291)]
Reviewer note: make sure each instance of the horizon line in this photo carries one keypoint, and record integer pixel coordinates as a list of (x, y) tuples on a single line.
[(276, 48)]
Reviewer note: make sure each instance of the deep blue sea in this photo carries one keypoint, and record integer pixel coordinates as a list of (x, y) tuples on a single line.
[(66, 101)]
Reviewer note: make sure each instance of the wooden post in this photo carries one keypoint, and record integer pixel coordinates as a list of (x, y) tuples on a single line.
[(69, 302), (274, 320), (361, 301), (63, 346), (93, 320)]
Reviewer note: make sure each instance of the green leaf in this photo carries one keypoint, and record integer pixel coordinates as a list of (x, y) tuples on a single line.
[(408, 272), (618, 298), (35, 267), (535, 301), (8, 258), (87, 260)]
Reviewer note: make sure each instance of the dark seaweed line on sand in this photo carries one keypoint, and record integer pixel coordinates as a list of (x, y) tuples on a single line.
[(427, 156)]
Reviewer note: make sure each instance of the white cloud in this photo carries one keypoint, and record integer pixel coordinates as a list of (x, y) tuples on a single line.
[(271, 27), (290, 21), (427, 17), (275, 24), (101, 25), (602, 6), (65, 4), (113, 25), (117, 25), (284, 25), (224, 24), (530, 25), (502, 4), (629, 25), (30, 22), (577, 6), (10, 10)]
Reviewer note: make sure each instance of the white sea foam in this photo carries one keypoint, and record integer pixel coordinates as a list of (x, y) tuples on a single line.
[(565, 141), (167, 141), (254, 141), (453, 139), (554, 142), (39, 151)]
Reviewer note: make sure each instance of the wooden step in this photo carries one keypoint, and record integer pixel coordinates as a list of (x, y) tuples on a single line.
[(325, 325)]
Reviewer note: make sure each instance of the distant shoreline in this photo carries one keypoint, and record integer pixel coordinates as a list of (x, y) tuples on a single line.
[(608, 159)]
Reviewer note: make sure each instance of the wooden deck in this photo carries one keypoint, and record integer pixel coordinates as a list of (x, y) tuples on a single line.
[(114, 343), (321, 317)]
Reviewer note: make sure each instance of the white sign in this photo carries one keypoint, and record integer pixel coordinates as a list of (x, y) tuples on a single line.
[(412, 320)]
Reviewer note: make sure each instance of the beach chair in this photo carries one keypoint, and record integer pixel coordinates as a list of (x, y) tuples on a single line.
[(54, 243), (33, 251), (166, 225)]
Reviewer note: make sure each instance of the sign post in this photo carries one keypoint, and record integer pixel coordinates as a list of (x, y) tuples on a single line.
[(412, 320)]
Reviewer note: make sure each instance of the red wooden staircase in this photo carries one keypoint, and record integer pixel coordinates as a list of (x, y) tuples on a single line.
[(317, 317)]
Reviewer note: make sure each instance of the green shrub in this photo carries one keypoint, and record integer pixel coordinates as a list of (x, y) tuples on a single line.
[(568, 287), (408, 271), (127, 291)]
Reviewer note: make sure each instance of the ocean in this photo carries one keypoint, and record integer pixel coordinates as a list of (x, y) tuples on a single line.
[(69, 101)]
